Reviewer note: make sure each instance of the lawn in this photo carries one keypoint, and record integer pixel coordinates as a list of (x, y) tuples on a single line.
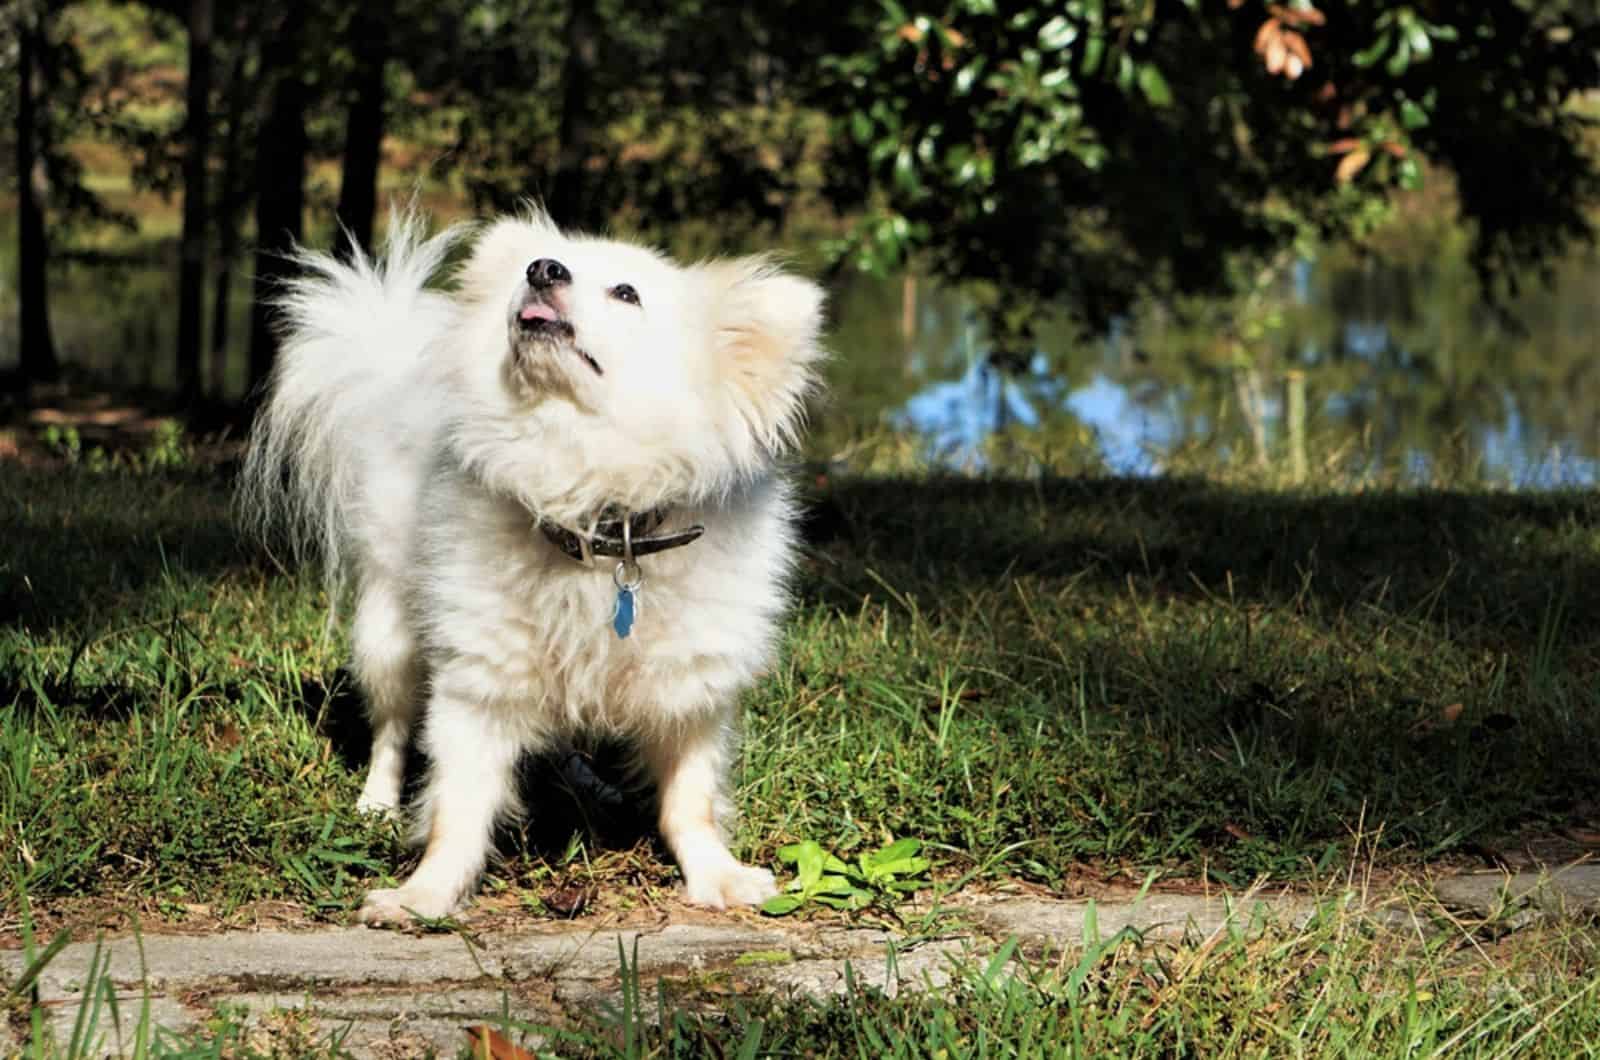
[(1065, 681)]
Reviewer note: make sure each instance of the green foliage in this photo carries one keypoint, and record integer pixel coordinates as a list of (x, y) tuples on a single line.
[(166, 449), (1092, 151), (69, 90), (878, 876)]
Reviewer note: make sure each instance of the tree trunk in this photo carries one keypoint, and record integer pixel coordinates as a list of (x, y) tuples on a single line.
[(197, 144), (37, 351), (231, 202), (280, 188), (568, 201), (363, 133)]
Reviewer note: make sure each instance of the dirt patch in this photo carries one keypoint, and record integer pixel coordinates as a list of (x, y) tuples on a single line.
[(60, 424)]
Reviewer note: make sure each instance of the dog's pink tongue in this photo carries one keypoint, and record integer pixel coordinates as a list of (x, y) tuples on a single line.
[(537, 311)]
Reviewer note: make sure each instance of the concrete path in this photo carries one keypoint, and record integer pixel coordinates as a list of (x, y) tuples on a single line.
[(401, 995)]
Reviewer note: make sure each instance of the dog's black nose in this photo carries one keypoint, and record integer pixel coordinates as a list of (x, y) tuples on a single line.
[(547, 272)]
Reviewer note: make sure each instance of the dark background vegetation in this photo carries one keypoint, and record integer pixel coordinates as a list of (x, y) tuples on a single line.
[(1079, 155)]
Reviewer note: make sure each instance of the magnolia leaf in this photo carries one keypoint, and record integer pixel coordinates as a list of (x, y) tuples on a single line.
[(1369, 55), (1154, 86), (1094, 49), (1056, 34), (1400, 60)]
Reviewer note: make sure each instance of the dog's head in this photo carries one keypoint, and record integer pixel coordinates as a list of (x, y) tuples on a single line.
[(599, 371)]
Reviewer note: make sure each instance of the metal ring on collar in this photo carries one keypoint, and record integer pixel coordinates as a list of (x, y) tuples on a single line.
[(628, 577)]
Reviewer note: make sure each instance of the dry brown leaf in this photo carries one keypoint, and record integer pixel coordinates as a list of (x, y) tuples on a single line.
[(1297, 45), (1283, 50), (570, 900), (1276, 54), (1266, 34), (1351, 164), (490, 1044)]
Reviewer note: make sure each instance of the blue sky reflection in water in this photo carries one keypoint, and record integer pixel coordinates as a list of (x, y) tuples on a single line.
[(1364, 388)]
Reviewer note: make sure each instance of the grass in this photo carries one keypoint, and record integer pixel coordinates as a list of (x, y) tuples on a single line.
[(1036, 679), (1328, 989), (1047, 680)]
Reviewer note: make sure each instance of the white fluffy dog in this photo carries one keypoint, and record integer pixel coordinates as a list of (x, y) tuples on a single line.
[(554, 494)]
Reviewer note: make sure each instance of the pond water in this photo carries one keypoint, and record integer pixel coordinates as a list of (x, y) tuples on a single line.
[(1408, 374)]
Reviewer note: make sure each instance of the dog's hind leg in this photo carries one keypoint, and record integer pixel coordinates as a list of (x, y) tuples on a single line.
[(387, 667), (690, 766), (472, 748)]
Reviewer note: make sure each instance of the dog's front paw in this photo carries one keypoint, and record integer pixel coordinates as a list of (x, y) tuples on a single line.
[(402, 905), (378, 806), (727, 886)]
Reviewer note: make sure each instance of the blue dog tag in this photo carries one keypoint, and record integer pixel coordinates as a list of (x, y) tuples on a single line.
[(622, 621)]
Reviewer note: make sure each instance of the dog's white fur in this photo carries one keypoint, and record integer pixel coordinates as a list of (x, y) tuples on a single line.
[(415, 437)]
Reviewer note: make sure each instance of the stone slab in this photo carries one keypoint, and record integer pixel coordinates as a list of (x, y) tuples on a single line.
[(1570, 891), (263, 959), (1164, 916), (390, 995)]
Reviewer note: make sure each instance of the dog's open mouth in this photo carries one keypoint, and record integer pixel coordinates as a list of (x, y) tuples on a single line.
[(539, 319)]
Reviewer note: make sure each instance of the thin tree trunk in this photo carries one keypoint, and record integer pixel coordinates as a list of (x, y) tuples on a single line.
[(37, 353), (363, 133), (568, 201), (1247, 382), (280, 189), (197, 145), (232, 201)]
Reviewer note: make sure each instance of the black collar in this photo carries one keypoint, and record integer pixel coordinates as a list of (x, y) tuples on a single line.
[(605, 538)]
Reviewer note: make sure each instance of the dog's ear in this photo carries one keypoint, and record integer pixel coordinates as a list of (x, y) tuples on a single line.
[(766, 334)]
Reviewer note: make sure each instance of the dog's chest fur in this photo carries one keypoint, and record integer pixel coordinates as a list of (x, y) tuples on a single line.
[(531, 630)]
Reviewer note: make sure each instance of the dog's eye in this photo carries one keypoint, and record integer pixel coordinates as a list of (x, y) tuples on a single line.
[(624, 292)]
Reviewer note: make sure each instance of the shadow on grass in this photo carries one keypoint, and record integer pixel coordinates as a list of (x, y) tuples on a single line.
[(1483, 567), (83, 547), (1250, 664), (1180, 669), (1490, 566)]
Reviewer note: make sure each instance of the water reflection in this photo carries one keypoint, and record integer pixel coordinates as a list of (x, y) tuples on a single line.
[(1412, 390)]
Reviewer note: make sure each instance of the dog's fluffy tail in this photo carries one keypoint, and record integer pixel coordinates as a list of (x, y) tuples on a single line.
[(350, 338)]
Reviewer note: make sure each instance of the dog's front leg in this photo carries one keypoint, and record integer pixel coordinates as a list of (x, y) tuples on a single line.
[(472, 752), (690, 766)]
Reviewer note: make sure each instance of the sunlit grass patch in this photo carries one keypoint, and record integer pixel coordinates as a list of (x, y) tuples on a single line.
[(1042, 679)]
